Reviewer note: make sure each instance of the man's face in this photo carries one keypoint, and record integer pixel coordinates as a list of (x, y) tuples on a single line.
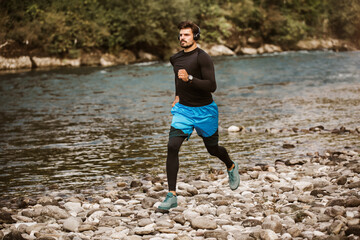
[(186, 37)]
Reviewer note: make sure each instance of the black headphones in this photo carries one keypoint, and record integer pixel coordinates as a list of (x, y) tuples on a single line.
[(196, 36)]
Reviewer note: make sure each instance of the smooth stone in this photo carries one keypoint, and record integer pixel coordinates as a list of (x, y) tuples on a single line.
[(148, 202), (222, 210), (180, 219), (295, 231), (72, 224), (203, 223), (55, 212), (303, 186), (190, 214), (234, 129), (352, 202), (336, 227), (268, 234), (73, 207), (251, 222), (110, 221), (164, 224), (144, 222), (335, 211), (273, 223), (134, 237), (149, 229), (217, 234)]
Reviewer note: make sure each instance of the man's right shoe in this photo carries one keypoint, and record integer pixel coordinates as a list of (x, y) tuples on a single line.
[(234, 177), (169, 202)]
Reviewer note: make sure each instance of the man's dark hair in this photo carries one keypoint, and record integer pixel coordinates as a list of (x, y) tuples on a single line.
[(187, 24)]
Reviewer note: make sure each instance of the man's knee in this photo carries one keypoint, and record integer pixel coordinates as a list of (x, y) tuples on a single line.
[(174, 144)]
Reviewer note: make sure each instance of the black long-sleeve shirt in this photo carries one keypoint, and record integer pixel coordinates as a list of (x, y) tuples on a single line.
[(198, 64)]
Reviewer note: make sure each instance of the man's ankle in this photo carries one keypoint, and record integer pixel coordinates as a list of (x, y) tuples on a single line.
[(232, 167), (173, 192)]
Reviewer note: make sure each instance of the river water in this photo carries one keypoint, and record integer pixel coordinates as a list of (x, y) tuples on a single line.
[(75, 129)]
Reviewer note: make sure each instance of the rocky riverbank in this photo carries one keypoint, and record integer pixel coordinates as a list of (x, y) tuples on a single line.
[(316, 197), (250, 46)]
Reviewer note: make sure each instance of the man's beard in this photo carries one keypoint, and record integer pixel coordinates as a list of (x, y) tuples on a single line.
[(187, 46)]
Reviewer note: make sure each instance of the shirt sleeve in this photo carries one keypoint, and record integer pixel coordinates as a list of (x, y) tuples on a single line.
[(208, 82)]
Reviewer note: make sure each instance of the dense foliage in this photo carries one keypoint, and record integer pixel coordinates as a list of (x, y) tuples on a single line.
[(67, 27)]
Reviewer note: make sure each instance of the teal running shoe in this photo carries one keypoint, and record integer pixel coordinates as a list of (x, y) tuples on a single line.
[(234, 177), (169, 202)]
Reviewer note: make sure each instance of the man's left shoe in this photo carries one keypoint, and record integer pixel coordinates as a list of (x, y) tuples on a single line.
[(169, 202), (234, 177)]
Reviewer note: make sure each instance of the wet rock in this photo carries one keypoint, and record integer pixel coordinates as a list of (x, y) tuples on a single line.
[(293, 162), (319, 193), (203, 223), (1, 235), (341, 180), (353, 230), (5, 217), (316, 129), (288, 146), (14, 235), (135, 183), (336, 202)]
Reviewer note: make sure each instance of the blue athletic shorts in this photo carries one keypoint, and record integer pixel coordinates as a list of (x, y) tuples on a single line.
[(204, 119)]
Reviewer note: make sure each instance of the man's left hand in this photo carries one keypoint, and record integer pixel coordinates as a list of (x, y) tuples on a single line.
[(183, 75)]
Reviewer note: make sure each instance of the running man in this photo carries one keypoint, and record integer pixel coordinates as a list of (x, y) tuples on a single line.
[(193, 107)]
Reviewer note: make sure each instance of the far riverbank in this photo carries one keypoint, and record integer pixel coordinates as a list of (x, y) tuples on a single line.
[(16, 59)]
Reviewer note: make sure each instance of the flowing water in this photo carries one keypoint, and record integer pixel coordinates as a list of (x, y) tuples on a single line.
[(75, 129)]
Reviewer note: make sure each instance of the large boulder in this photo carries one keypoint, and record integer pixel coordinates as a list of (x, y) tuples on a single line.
[(54, 62), (147, 57), (15, 63), (220, 50), (246, 51)]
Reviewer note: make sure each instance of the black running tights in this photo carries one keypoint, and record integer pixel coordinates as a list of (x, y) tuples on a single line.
[(172, 161)]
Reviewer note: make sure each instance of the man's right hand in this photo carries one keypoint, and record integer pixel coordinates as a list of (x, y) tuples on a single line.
[(175, 101)]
